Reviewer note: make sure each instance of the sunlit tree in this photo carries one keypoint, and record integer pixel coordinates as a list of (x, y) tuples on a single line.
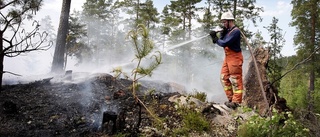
[(185, 10), (275, 46), (306, 19)]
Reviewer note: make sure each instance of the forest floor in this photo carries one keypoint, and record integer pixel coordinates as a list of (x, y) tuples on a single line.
[(79, 105)]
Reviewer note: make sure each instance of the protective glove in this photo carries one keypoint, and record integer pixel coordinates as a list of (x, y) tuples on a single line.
[(214, 37), (213, 34), (223, 33)]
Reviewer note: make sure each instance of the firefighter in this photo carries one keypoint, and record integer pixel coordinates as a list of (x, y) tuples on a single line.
[(231, 72)]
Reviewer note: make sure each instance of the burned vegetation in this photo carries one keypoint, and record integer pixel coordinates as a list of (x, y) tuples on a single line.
[(100, 105), (82, 104)]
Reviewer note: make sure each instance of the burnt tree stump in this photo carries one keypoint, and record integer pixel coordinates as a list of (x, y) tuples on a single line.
[(109, 121), (253, 97)]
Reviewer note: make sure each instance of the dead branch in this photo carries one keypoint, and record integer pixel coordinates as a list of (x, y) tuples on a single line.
[(4, 6), (296, 65), (25, 41), (11, 73)]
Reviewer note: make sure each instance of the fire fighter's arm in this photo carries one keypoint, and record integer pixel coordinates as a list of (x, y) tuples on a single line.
[(229, 39)]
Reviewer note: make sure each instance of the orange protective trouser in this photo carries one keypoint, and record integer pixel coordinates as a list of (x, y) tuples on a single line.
[(231, 75)]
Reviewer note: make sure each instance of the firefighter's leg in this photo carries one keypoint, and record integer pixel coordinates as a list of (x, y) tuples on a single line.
[(226, 83), (235, 68), (236, 81)]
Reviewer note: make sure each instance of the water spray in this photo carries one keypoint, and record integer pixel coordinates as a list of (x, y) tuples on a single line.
[(216, 29), (186, 42)]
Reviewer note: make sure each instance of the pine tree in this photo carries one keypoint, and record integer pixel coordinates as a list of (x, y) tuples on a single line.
[(185, 10), (60, 49), (209, 20), (148, 14), (258, 40), (141, 12), (275, 46), (46, 25), (306, 19), (168, 23), (101, 21), (75, 42)]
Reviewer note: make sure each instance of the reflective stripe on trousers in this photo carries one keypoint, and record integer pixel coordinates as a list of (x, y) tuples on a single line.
[(231, 75)]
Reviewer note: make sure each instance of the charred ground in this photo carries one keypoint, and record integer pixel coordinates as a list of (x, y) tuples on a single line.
[(52, 107)]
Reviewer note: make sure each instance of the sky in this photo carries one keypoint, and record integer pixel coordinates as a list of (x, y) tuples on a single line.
[(281, 9)]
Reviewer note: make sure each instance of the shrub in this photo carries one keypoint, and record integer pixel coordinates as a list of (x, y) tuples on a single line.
[(279, 125), (192, 121), (202, 96)]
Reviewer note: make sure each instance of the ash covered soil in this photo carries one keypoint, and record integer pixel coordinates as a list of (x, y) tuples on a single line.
[(62, 107), (79, 107)]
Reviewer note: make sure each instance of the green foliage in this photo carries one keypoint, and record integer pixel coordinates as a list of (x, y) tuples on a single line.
[(246, 109), (118, 72), (168, 21), (181, 14), (148, 14), (103, 38), (121, 134), (316, 97), (195, 121), (208, 21), (192, 121), (294, 86), (97, 8), (275, 45), (258, 40), (202, 96), (142, 12), (279, 125), (306, 19), (75, 45), (143, 47)]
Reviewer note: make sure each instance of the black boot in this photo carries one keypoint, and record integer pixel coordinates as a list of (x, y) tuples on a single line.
[(232, 105)]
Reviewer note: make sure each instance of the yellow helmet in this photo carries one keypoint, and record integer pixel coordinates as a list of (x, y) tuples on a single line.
[(227, 16)]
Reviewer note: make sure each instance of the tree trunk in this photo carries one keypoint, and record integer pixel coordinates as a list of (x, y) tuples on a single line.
[(235, 8), (1, 59), (313, 62), (59, 53), (311, 90)]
